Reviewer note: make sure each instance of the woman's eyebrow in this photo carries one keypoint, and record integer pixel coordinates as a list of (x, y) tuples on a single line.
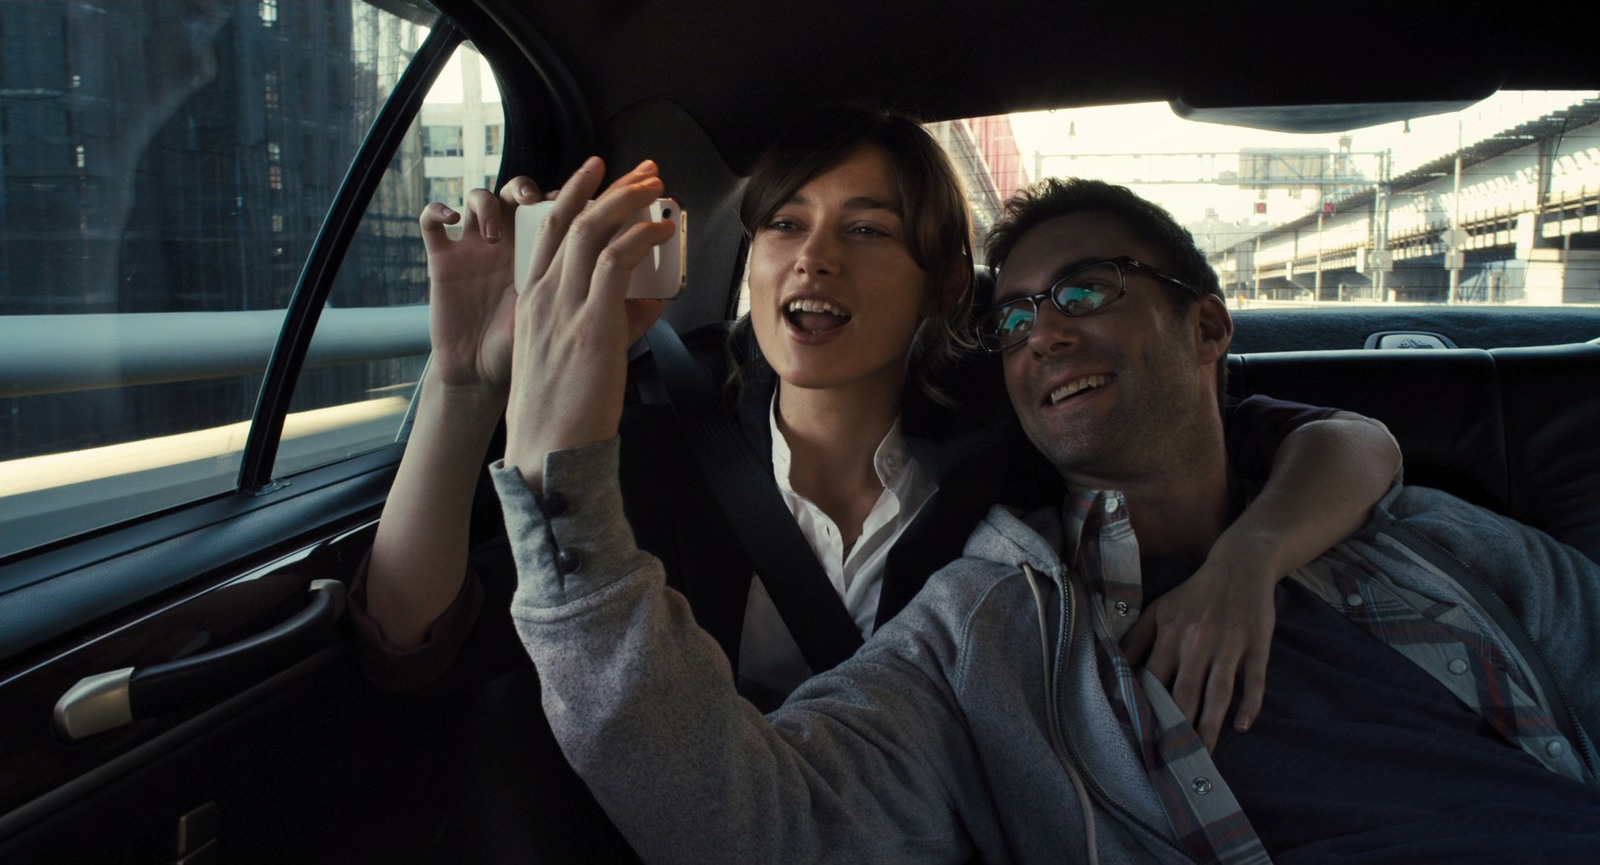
[(867, 202), (855, 203)]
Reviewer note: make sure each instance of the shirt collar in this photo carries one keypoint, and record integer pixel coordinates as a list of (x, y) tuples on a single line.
[(1098, 544), (889, 461)]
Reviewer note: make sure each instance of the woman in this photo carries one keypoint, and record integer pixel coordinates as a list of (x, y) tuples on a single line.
[(860, 273)]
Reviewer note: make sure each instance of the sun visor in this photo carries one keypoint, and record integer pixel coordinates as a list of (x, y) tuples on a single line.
[(1317, 118)]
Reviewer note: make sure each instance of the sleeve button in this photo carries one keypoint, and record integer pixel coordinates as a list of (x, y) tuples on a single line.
[(555, 504), (568, 561)]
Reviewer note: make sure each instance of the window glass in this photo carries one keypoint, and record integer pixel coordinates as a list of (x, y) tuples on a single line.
[(166, 167), (372, 341), (441, 141), (1496, 202)]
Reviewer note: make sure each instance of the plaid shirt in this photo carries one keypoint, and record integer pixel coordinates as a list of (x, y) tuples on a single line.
[(1447, 638)]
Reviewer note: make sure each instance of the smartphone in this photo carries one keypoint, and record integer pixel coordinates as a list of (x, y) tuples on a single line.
[(659, 276)]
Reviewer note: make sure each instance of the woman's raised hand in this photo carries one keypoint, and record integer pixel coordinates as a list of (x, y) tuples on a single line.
[(573, 322), (472, 298)]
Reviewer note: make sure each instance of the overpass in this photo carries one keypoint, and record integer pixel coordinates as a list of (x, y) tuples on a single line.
[(1512, 218)]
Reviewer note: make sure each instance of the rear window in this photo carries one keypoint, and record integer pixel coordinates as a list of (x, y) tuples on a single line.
[(1492, 203)]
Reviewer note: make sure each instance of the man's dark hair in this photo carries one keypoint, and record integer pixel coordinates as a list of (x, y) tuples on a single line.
[(1177, 254)]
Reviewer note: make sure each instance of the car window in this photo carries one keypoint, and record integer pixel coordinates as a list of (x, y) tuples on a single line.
[(167, 168), (1490, 203), (372, 339)]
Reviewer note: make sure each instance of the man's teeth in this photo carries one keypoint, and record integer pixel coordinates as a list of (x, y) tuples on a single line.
[(1073, 387), (813, 305)]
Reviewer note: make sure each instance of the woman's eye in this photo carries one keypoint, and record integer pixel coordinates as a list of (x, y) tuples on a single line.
[(781, 224), (868, 231)]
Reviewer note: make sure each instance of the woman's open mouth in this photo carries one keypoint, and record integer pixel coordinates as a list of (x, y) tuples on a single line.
[(810, 315)]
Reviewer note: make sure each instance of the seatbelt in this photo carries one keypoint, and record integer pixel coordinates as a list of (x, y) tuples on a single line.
[(744, 488)]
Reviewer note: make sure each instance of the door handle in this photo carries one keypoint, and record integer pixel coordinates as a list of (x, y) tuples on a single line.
[(105, 701)]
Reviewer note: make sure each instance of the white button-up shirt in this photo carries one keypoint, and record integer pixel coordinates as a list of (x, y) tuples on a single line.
[(768, 655)]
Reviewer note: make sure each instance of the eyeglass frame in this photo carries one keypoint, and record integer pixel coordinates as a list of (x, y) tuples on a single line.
[(1122, 263)]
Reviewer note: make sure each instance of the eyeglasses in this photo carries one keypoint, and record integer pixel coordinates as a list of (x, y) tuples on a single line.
[(1084, 291)]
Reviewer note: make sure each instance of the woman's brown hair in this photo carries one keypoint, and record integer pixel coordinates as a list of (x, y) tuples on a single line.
[(932, 203)]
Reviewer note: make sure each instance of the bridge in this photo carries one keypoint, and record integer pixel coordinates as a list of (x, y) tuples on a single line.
[(1511, 218)]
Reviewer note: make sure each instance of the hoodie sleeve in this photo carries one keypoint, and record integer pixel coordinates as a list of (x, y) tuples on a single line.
[(860, 766)]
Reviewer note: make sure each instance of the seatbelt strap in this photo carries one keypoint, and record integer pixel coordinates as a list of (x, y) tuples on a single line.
[(744, 488)]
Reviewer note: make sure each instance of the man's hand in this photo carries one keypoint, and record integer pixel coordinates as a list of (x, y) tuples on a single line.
[(573, 322), (1199, 637)]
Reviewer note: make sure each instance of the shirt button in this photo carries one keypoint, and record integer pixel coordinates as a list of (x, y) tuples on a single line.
[(1111, 505), (1458, 666), (1354, 600), (1201, 785), (568, 561), (555, 504), (1122, 608), (1553, 749)]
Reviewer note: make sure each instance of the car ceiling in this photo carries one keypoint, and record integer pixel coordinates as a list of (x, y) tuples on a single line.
[(740, 68)]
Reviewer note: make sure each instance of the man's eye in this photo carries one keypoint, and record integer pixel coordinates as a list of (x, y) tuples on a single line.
[(1078, 299), (1016, 318)]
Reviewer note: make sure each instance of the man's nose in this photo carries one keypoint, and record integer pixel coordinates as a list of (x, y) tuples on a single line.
[(1053, 331)]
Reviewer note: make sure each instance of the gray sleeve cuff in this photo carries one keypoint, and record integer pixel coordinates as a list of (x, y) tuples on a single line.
[(571, 539)]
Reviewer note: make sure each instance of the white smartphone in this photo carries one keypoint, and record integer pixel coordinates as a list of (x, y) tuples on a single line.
[(659, 276)]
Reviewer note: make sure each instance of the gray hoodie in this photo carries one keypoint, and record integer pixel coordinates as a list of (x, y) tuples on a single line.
[(972, 722)]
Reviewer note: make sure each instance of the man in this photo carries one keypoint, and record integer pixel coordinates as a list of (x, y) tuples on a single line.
[(999, 713)]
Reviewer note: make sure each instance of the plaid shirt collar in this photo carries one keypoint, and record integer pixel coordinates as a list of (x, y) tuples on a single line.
[(1103, 556)]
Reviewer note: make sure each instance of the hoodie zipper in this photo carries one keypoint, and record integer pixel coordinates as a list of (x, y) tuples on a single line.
[(1058, 731)]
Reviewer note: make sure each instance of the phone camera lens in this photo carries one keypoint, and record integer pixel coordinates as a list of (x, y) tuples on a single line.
[(666, 213)]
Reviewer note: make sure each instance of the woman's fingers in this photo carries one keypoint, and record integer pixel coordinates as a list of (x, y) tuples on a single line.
[(484, 217), (433, 220), (520, 190)]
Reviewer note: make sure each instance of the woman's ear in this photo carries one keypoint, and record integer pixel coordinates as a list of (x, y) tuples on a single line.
[(1213, 329), (945, 293)]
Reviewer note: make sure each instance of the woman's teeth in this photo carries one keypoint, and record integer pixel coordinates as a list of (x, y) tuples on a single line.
[(814, 316), (812, 305)]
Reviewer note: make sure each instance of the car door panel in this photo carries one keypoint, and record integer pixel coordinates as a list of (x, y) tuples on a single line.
[(298, 738)]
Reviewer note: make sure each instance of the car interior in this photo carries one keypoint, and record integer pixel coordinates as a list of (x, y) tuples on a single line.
[(179, 684)]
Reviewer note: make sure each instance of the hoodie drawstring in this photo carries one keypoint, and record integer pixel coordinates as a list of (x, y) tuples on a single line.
[(1050, 711)]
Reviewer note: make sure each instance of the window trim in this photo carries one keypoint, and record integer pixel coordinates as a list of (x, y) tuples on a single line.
[(328, 250)]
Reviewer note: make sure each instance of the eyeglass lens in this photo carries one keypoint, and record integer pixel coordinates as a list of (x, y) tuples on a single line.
[(1079, 293)]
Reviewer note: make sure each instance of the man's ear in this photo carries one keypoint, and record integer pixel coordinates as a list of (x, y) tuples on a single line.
[(1213, 329)]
